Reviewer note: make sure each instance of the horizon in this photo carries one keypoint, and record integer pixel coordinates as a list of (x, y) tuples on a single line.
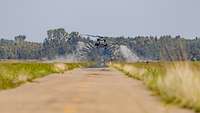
[(83, 35)]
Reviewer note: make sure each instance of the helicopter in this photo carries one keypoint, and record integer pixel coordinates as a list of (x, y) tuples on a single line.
[(103, 48), (100, 42)]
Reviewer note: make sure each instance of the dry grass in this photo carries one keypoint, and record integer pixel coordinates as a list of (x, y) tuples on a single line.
[(177, 82), (13, 74)]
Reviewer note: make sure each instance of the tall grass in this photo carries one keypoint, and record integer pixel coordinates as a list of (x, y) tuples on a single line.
[(175, 82), (14, 74)]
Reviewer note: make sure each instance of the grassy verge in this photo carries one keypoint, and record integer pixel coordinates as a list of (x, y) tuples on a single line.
[(177, 82), (15, 74)]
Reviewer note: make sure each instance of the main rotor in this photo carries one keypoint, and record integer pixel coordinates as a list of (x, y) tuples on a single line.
[(100, 42)]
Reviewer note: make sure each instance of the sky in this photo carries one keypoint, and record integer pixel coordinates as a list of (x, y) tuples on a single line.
[(99, 17)]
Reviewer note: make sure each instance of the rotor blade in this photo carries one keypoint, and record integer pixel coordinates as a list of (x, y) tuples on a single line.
[(93, 35)]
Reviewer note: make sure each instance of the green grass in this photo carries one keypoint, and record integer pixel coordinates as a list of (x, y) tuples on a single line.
[(174, 82), (13, 74)]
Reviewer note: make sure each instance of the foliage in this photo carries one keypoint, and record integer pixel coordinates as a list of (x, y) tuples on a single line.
[(175, 82), (61, 43), (12, 74), (19, 49)]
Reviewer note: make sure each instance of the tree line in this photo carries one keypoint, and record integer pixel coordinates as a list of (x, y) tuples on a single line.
[(61, 43)]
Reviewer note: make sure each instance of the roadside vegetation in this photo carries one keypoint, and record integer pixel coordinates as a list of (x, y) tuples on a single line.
[(13, 74), (175, 82)]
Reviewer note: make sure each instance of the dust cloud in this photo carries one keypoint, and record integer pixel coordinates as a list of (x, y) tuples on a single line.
[(128, 54)]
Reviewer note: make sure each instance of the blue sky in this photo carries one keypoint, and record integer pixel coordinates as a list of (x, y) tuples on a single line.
[(103, 17)]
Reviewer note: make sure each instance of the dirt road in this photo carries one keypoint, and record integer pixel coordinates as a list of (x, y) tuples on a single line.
[(84, 91)]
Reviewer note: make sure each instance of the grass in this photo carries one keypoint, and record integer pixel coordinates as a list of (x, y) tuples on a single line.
[(174, 82), (13, 74)]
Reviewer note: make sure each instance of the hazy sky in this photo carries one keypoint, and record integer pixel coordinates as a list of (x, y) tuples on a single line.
[(104, 17)]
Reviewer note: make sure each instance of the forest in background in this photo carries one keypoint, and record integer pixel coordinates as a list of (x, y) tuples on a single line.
[(60, 43)]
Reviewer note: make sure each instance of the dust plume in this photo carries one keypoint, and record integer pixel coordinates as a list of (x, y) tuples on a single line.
[(128, 54)]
